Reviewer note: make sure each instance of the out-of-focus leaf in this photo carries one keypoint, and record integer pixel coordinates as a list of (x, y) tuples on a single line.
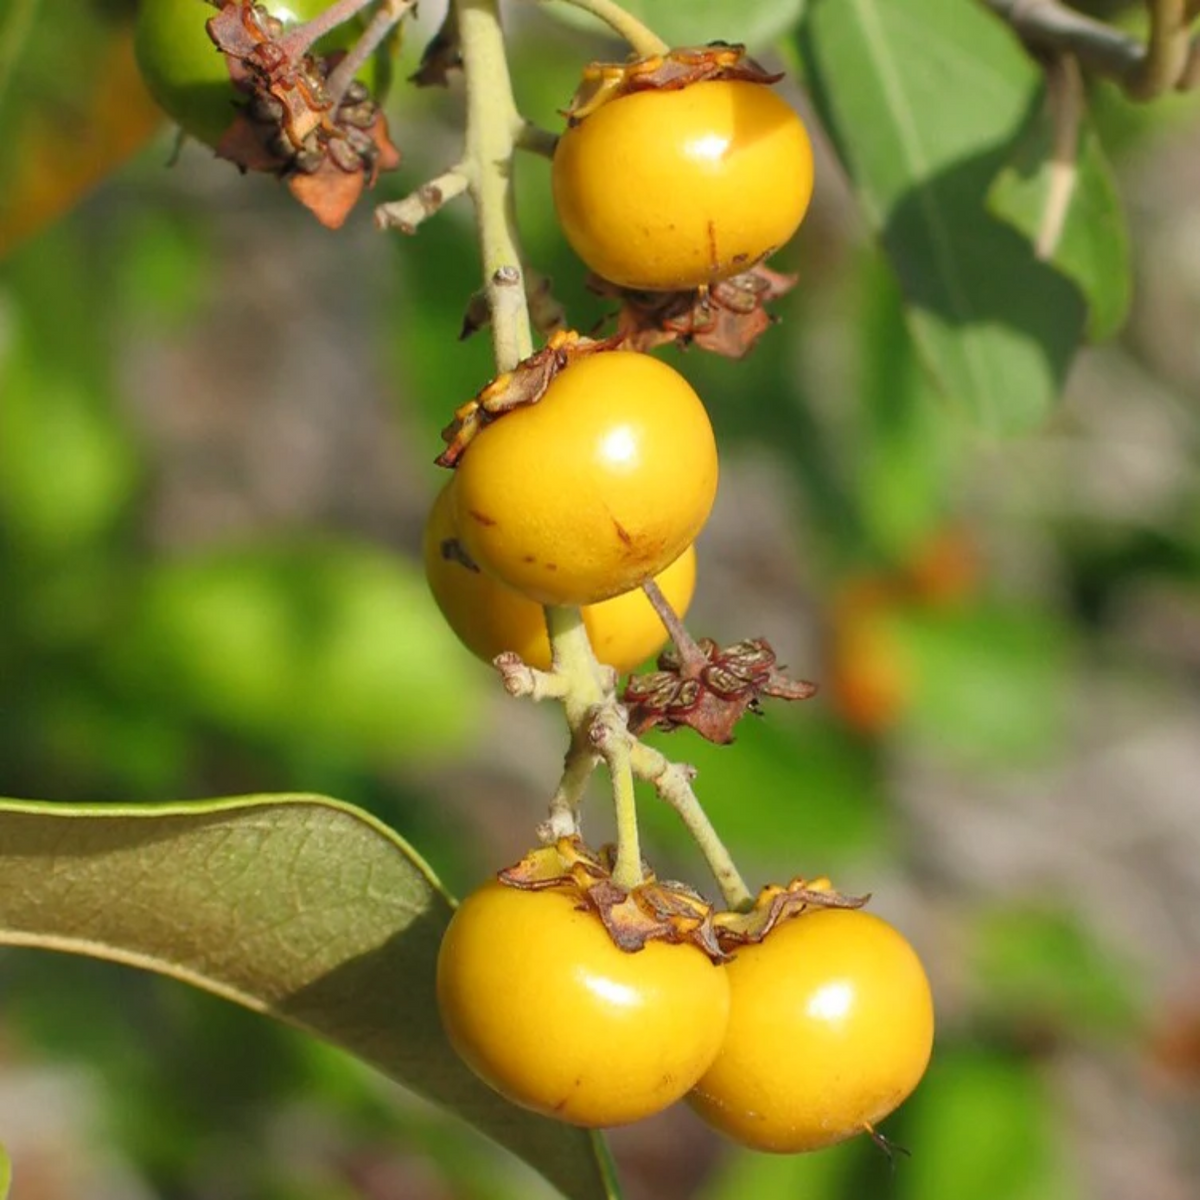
[(754, 23), (68, 467), (988, 683), (923, 100), (163, 267), (981, 1124), (72, 105), (1093, 249), (795, 789), (5, 1174), (747, 1176), (330, 644), (1043, 968), (902, 467), (297, 907)]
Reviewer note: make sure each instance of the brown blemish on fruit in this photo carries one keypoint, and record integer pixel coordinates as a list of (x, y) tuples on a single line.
[(552, 566), (714, 259), (481, 518), (528, 558), (452, 551), (623, 533)]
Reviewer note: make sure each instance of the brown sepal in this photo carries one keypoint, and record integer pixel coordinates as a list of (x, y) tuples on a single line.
[(237, 29), (726, 318), (290, 126), (329, 193), (709, 688), (525, 384), (678, 68), (774, 904), (652, 911)]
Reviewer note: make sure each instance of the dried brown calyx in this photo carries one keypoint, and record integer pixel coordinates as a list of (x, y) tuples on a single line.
[(727, 317), (654, 910), (525, 384), (678, 68), (776, 903), (328, 147), (709, 688)]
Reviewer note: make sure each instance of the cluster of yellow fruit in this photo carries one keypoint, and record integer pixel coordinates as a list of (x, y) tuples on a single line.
[(801, 1040), (817, 1030), (676, 173)]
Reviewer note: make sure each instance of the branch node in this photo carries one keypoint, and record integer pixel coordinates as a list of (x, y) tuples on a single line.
[(407, 214)]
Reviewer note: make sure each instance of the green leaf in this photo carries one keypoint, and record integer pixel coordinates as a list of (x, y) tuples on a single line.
[(747, 1176), (754, 23), (983, 1125), (906, 443), (68, 469), (332, 643), (990, 682), (297, 907), (1093, 248), (794, 780), (1043, 967), (5, 1173), (923, 100)]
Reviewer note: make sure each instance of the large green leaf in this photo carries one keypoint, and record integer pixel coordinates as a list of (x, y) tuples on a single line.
[(923, 100), (1093, 246), (298, 907)]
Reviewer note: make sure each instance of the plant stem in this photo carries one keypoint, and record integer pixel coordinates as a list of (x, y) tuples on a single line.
[(390, 14), (493, 129), (1166, 50), (578, 766), (1050, 25), (607, 732), (673, 783), (408, 213), (1068, 105), (645, 42), (297, 42), (676, 630), (586, 708)]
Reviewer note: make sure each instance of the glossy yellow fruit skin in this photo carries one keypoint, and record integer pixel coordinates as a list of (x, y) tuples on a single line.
[(670, 190), (598, 487), (541, 1005), (830, 1029), (489, 617)]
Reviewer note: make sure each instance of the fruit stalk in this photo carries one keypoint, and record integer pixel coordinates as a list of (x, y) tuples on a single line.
[(588, 704), (643, 40), (299, 41), (673, 783), (493, 128)]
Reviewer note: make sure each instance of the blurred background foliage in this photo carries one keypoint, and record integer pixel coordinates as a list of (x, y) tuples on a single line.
[(217, 425)]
